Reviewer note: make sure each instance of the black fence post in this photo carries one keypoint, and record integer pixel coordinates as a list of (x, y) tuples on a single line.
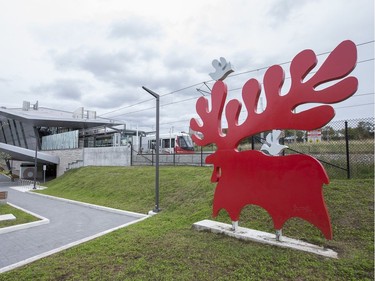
[(347, 149), (131, 154), (282, 141), (252, 143), (152, 157), (201, 156)]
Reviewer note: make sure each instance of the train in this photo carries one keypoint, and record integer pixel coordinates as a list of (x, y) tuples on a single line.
[(180, 142)]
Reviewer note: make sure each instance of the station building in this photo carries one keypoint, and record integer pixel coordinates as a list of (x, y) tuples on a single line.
[(56, 140)]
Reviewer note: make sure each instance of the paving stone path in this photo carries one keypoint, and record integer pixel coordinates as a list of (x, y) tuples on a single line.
[(69, 224)]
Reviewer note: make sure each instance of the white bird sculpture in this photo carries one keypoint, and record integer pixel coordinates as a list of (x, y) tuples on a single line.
[(222, 69), (272, 145)]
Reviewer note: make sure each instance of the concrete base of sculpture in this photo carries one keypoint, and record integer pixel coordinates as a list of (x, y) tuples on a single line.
[(262, 237)]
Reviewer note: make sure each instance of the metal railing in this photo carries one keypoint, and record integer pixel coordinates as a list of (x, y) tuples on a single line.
[(24, 182)]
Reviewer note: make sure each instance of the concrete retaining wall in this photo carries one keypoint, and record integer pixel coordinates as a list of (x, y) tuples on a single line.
[(107, 156), (119, 156), (170, 159), (97, 156), (66, 156)]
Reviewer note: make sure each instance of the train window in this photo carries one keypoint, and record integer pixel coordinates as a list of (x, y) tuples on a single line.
[(182, 142), (165, 143), (151, 144), (185, 142)]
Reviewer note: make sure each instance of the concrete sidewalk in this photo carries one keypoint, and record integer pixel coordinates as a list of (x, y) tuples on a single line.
[(69, 224)]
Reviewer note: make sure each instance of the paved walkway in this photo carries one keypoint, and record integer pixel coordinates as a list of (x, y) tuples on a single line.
[(69, 224)]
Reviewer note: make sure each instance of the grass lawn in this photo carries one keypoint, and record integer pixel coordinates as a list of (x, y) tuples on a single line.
[(365, 146), (21, 216), (165, 247)]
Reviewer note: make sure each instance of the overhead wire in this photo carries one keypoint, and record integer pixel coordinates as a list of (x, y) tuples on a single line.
[(208, 81), (128, 106)]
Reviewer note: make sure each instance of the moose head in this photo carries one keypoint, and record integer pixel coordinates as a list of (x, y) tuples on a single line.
[(286, 186)]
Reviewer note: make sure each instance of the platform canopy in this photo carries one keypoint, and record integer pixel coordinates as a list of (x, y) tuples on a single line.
[(24, 154)]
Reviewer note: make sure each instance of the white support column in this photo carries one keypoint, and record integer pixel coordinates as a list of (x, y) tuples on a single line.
[(234, 226), (279, 235)]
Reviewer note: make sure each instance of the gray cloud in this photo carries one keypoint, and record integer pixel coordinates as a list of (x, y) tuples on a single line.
[(96, 62), (3, 80), (112, 100), (131, 68), (134, 27), (282, 10), (167, 54), (109, 66), (67, 89), (101, 64)]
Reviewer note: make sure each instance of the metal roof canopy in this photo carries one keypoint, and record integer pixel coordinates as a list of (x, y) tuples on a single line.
[(24, 154), (54, 118)]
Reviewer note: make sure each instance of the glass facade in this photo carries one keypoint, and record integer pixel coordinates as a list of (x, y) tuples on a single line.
[(67, 140), (19, 134)]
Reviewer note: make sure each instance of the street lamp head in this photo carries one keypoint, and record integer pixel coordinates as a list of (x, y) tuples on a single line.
[(155, 95)]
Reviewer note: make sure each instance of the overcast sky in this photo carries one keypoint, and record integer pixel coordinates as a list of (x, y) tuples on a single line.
[(99, 53)]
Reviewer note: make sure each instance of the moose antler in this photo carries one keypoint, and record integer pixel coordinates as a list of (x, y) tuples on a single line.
[(211, 128), (278, 113)]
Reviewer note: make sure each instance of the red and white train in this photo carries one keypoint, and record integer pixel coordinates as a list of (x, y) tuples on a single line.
[(168, 143)]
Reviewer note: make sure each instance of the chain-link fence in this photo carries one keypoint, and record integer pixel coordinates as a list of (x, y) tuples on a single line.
[(345, 148)]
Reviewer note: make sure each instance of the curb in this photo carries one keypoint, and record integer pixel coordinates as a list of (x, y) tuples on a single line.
[(139, 217), (93, 206), (12, 228), (67, 246)]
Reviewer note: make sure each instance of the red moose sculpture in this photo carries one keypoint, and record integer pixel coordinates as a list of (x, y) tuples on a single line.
[(285, 186)]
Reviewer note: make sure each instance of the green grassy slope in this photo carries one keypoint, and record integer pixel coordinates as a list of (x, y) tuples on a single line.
[(165, 247)]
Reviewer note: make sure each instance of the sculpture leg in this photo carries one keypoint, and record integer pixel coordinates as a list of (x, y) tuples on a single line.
[(234, 226), (279, 234)]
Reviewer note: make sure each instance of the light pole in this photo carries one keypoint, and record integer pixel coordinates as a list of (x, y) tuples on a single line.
[(35, 162), (35, 159), (157, 97)]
